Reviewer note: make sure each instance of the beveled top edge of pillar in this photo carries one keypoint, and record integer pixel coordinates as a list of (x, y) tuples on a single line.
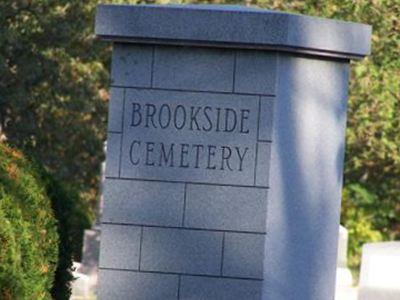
[(232, 26)]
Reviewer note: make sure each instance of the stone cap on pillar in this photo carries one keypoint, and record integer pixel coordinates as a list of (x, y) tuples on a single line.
[(234, 27)]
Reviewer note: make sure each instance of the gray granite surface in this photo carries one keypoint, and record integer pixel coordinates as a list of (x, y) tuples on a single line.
[(226, 208), (224, 152), (232, 26)]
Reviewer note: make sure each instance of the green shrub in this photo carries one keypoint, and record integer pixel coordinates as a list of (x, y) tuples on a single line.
[(28, 231)]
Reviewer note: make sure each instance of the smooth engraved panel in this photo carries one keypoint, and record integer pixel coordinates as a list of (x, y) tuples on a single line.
[(190, 137)]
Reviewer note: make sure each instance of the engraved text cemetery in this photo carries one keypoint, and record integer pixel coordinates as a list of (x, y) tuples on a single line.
[(188, 118)]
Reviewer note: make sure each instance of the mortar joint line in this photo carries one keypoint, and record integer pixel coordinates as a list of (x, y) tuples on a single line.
[(182, 274), (234, 71), (222, 253), (122, 133), (183, 90), (183, 228), (184, 204), (140, 247), (152, 66), (259, 118), (114, 131), (188, 182), (265, 141), (179, 287), (258, 135)]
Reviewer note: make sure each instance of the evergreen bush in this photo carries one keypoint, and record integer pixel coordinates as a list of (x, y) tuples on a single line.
[(28, 231)]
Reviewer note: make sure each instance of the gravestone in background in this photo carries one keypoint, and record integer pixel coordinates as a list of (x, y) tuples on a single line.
[(225, 152), (345, 290), (380, 271)]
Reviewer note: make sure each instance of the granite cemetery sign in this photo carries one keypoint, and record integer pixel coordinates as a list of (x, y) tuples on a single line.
[(225, 152)]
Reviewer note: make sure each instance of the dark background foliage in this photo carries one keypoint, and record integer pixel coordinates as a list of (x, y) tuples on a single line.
[(72, 219), (53, 102)]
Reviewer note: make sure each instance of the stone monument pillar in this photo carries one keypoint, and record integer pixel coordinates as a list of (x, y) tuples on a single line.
[(225, 152)]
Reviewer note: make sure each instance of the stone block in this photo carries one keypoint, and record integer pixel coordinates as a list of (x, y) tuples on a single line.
[(229, 26), (243, 255), (115, 109), (263, 162), (266, 118), (201, 288), (198, 69), (255, 72), (143, 202), (181, 251), (118, 285), (131, 65), (120, 247), (226, 208)]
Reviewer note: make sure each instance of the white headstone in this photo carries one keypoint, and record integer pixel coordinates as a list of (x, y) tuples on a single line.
[(81, 284), (380, 271), (344, 281)]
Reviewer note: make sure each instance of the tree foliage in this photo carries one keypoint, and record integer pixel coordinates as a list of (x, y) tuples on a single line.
[(52, 96)]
